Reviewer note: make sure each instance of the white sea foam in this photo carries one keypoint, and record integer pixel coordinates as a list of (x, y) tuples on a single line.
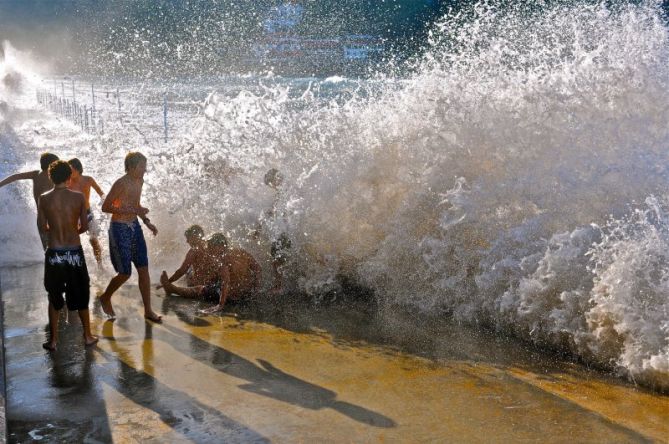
[(508, 181)]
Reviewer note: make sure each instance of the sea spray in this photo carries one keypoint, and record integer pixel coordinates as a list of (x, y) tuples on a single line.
[(504, 182)]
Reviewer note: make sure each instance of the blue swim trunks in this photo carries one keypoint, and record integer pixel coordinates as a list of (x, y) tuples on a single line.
[(126, 246)]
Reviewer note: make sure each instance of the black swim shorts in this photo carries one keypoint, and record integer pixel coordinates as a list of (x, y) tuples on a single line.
[(65, 272), (211, 292)]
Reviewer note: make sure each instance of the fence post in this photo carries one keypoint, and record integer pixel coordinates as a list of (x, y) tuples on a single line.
[(118, 104), (73, 95), (93, 95), (165, 114)]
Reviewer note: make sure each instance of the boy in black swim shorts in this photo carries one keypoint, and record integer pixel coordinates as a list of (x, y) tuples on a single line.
[(62, 215)]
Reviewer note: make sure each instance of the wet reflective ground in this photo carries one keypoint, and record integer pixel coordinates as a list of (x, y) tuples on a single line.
[(297, 373)]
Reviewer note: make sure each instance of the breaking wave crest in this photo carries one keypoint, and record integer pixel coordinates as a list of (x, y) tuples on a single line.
[(515, 179)]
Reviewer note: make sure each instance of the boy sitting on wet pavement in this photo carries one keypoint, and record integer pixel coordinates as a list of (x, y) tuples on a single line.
[(193, 263), (62, 216), (229, 274)]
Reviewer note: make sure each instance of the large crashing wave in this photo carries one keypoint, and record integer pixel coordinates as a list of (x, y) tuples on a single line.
[(496, 184), (508, 182)]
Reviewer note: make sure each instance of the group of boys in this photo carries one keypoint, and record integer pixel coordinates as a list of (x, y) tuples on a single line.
[(62, 193), (214, 272)]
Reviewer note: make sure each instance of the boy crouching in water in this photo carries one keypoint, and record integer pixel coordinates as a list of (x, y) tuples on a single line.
[(62, 215), (126, 239)]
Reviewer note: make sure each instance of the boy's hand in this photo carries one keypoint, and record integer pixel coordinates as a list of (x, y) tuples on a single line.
[(152, 227), (212, 310)]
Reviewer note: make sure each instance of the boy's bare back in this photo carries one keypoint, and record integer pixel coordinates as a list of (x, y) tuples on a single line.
[(41, 184), (242, 268), (83, 185), (64, 213)]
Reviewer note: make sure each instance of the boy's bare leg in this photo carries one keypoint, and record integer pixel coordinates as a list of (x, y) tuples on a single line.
[(89, 339), (53, 328), (145, 291), (186, 292), (105, 298), (97, 251)]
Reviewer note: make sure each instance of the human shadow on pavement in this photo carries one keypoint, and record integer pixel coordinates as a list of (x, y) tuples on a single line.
[(265, 379), (184, 414)]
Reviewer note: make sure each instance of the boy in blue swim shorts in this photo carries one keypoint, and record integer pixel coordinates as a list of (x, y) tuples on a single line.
[(126, 239)]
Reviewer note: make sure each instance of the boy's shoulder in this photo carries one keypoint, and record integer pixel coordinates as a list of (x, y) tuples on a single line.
[(121, 180)]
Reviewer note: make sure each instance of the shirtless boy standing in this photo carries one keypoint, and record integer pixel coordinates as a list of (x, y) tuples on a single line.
[(41, 184), (232, 274), (62, 215), (83, 184), (126, 239)]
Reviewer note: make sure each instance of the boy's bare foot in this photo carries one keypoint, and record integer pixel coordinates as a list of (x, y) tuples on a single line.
[(164, 282), (51, 346), (91, 340), (153, 317), (107, 308)]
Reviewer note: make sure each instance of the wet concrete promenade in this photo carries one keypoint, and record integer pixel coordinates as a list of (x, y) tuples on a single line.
[(298, 374)]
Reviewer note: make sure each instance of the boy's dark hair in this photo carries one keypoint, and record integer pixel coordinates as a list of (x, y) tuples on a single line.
[(59, 171), (194, 230), (76, 164), (47, 159), (217, 239), (132, 159)]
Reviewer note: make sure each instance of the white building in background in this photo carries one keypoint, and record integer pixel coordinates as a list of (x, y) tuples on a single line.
[(283, 49), (284, 18)]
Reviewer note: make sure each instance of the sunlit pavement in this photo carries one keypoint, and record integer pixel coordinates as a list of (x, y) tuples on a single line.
[(292, 376)]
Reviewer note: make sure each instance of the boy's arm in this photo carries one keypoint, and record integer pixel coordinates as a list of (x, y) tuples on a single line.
[(83, 216), (224, 274), (188, 260), (19, 176), (149, 225), (147, 222), (97, 188), (41, 216), (225, 285)]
